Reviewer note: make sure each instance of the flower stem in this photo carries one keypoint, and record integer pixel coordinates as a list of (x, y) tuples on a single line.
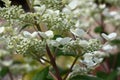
[(10, 75), (53, 63), (71, 67)]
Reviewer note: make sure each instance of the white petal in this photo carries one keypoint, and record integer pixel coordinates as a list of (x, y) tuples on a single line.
[(2, 29), (50, 11), (105, 36), (57, 12), (59, 39), (34, 34), (36, 8), (53, 43), (100, 54), (112, 36), (7, 63), (102, 6), (83, 43), (113, 13), (40, 9), (73, 4), (65, 40), (49, 34), (43, 7), (78, 32), (107, 47), (42, 34), (66, 10), (27, 34)]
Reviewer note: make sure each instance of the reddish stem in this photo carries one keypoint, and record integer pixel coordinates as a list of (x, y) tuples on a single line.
[(53, 63)]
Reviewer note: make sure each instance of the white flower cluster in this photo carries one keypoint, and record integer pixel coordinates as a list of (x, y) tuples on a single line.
[(52, 4), (89, 62), (71, 20), (11, 13), (25, 45), (93, 45), (56, 20), (112, 17), (92, 59), (82, 11)]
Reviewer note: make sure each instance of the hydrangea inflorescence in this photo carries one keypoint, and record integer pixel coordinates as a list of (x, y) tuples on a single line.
[(62, 28)]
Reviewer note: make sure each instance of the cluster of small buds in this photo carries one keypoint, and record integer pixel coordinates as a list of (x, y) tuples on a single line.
[(12, 12), (56, 20), (93, 45), (73, 46), (24, 45), (82, 46), (12, 42), (52, 4)]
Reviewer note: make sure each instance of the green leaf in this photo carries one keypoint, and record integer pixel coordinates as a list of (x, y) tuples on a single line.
[(42, 75), (4, 71), (114, 61), (112, 75), (84, 77), (98, 29), (116, 41), (102, 74), (61, 70)]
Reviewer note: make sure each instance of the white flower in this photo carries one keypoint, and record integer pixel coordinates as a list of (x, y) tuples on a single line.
[(30, 35), (2, 29), (88, 60), (63, 41), (109, 37), (108, 48), (78, 32), (91, 60), (47, 34)]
